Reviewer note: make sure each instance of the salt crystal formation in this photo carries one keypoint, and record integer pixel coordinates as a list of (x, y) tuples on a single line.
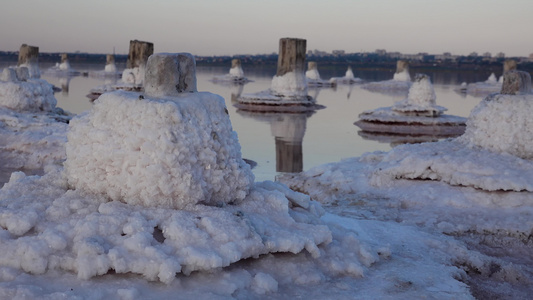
[(20, 93), (502, 122), (184, 199), (418, 113), (494, 153), (400, 82), (171, 147), (235, 75)]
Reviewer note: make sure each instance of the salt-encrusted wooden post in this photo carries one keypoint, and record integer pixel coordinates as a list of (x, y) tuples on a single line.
[(170, 74), (28, 54), (289, 82), (516, 83), (64, 58), (139, 53), (509, 65), (110, 59), (235, 63), (401, 66), (291, 55), (29, 58)]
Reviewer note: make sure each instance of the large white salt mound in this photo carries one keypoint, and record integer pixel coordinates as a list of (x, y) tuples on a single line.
[(45, 226), (402, 76), (30, 95), (421, 97), (502, 124), (158, 152)]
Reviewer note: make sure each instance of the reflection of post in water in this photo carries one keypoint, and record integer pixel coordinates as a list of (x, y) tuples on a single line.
[(289, 131), (64, 82), (289, 156), (236, 91)]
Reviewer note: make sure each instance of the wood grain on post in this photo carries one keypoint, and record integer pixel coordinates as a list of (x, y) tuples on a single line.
[(139, 53), (28, 54), (291, 55)]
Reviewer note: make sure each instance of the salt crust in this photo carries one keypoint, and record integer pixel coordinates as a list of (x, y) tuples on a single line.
[(31, 95), (290, 85), (45, 226), (32, 129), (401, 82), (157, 152)]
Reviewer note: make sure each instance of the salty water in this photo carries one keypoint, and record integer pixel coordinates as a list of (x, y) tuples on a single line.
[(295, 142)]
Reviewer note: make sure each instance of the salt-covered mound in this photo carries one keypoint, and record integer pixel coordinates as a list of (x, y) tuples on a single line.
[(495, 152), (178, 151), (348, 78), (288, 90), (401, 81), (152, 185), (235, 75), (313, 77), (32, 129), (21, 93), (418, 113), (45, 226), (492, 84), (62, 69), (110, 70)]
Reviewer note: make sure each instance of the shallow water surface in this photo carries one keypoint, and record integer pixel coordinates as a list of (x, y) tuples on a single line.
[(291, 142)]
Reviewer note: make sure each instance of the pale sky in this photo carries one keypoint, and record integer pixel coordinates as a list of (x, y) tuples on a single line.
[(228, 27)]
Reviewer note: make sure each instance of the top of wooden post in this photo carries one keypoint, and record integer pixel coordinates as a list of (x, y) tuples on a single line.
[(291, 55), (28, 54), (139, 53)]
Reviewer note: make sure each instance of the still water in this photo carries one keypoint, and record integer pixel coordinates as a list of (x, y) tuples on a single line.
[(280, 142)]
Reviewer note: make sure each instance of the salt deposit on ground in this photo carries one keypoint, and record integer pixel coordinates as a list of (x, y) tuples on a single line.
[(235, 75), (386, 232), (418, 113), (32, 129), (348, 78), (400, 83)]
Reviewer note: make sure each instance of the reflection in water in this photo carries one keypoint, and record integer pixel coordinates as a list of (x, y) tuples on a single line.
[(64, 82), (288, 130), (400, 139)]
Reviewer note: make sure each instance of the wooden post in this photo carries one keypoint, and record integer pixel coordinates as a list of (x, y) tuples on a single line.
[(516, 83), (139, 53), (509, 65), (401, 66), (28, 55), (64, 58), (291, 56), (110, 59)]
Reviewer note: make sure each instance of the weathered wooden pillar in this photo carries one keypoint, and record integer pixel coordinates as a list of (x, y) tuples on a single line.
[(509, 65), (291, 55), (139, 53), (402, 66), (110, 59), (289, 82), (170, 74), (64, 58), (516, 83), (29, 58), (236, 69), (28, 55)]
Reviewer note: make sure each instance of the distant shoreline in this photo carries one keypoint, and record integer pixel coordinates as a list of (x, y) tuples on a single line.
[(365, 61)]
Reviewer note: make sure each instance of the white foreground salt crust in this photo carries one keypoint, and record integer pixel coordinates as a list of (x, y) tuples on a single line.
[(32, 129), (20, 94), (45, 226), (502, 124), (158, 152)]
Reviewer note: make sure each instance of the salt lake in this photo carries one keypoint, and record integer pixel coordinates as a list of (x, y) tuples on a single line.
[(289, 142)]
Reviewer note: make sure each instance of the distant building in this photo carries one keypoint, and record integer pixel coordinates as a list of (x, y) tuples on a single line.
[(381, 52), (338, 52), (487, 55), (474, 54), (500, 55)]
